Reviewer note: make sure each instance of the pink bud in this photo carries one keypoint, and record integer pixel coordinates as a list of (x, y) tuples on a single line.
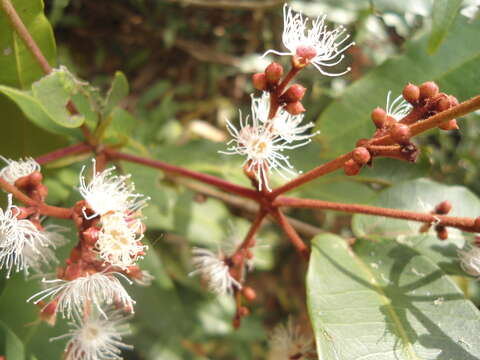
[(259, 81), (294, 93), (295, 108)]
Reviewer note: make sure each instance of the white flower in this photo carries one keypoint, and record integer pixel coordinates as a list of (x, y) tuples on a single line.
[(287, 342), (94, 289), (17, 169), (20, 240), (314, 43), (96, 338), (108, 193), (470, 260), (398, 108), (119, 240), (214, 270)]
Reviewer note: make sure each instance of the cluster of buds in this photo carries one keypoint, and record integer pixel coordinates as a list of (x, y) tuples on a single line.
[(88, 288)]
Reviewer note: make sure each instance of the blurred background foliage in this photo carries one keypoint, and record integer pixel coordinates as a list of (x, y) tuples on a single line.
[(188, 65)]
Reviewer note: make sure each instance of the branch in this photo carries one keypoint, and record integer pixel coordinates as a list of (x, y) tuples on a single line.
[(291, 233), (208, 179), (231, 4), (44, 209), (463, 223), (61, 153), (417, 128)]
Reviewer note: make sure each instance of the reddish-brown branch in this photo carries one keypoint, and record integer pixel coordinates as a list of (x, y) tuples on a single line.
[(466, 224), (208, 179), (249, 240), (22, 31), (291, 233), (43, 209), (417, 128), (63, 152)]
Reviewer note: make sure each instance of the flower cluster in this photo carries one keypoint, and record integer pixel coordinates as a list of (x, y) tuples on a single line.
[(263, 141), (88, 289)]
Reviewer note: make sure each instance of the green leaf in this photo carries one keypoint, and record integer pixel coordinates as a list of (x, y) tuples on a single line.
[(444, 13), (19, 68), (386, 301), (53, 92), (10, 345), (118, 90), (348, 119)]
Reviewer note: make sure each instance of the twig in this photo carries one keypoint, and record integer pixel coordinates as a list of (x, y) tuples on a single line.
[(291, 233), (63, 152)]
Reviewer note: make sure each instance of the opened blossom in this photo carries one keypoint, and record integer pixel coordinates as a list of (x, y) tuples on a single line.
[(96, 337), (287, 342), (17, 169), (311, 41), (98, 289), (398, 108)]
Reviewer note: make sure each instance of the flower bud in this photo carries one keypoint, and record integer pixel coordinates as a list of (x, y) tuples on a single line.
[(443, 208), (273, 73), (428, 90), (361, 155), (400, 133), (351, 168), (249, 293), (295, 108), (259, 81), (449, 125), (453, 100), (411, 93), (361, 142), (442, 232), (243, 311), (48, 313), (36, 178), (442, 102), (379, 117), (294, 93)]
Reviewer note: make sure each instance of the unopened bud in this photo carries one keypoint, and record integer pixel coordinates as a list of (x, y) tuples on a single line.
[(361, 155), (36, 178), (361, 142), (294, 93), (351, 168), (243, 311), (295, 108), (400, 133), (379, 117), (449, 125), (273, 73), (443, 208), (442, 232), (249, 293), (411, 93), (453, 100), (259, 81), (428, 90), (442, 102)]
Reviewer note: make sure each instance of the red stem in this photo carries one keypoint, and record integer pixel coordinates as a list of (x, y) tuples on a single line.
[(291, 233), (60, 153), (275, 96), (249, 240), (466, 224), (208, 179)]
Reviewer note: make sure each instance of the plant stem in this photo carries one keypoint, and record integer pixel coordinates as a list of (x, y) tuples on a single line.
[(208, 179), (249, 240), (63, 152), (275, 96), (22, 31), (44, 209), (466, 224), (291, 233)]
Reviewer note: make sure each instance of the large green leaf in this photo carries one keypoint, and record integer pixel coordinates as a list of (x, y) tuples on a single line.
[(10, 345), (348, 119), (444, 13), (385, 301)]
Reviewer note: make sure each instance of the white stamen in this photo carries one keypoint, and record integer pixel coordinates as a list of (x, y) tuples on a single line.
[(17, 169)]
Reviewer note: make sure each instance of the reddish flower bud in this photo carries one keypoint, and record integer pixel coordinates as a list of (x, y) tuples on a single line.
[(249, 293), (351, 168), (453, 100), (243, 311), (48, 313), (361, 155), (428, 90), (36, 178), (411, 93), (449, 125), (273, 73), (400, 133), (441, 102), (295, 108), (379, 117), (259, 81), (443, 208), (442, 232), (91, 235), (294, 93)]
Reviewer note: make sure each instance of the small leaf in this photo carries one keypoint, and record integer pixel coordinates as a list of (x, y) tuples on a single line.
[(118, 90), (386, 301), (444, 13)]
